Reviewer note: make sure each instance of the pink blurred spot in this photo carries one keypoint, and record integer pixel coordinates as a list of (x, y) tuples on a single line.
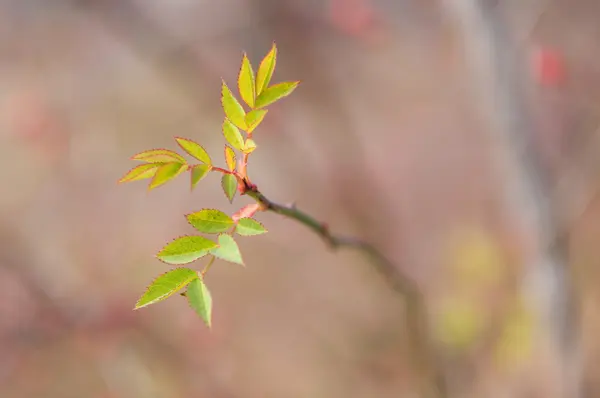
[(549, 67)]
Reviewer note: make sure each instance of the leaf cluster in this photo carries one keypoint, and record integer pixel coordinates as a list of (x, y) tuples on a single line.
[(163, 165)]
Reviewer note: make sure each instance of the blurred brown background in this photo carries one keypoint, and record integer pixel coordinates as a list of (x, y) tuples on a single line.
[(384, 139)]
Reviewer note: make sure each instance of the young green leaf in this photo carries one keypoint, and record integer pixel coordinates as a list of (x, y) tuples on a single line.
[(254, 118), (186, 249), (265, 70), (200, 300), (229, 185), (233, 135), (249, 227), (230, 158), (246, 83), (194, 149), (141, 172), (249, 146), (210, 221), (199, 171), (159, 156), (275, 93), (228, 250), (165, 173), (232, 108), (166, 285)]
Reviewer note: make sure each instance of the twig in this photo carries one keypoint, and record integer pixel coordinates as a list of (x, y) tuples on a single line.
[(422, 349)]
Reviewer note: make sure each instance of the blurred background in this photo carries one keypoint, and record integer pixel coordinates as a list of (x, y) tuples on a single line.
[(397, 134)]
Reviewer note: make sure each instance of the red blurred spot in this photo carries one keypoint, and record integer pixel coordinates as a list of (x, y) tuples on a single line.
[(549, 67), (353, 17)]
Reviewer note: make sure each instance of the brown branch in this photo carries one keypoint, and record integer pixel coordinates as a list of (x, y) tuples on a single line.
[(422, 348)]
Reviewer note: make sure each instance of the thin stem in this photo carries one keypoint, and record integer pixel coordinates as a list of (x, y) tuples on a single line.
[(207, 267), (241, 180), (423, 356)]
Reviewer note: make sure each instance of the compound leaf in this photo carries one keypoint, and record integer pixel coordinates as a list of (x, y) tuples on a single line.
[(140, 172), (265, 70), (194, 149), (200, 300), (249, 227), (159, 156), (275, 93), (254, 118), (210, 221), (186, 249), (229, 185), (246, 83), (230, 158), (232, 135), (232, 108), (228, 250), (165, 173), (166, 285), (199, 171)]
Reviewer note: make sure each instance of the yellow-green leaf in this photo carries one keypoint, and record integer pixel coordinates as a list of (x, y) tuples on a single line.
[(265, 70), (246, 84), (229, 185), (194, 149), (275, 93), (166, 285), (228, 250), (232, 135), (186, 249), (141, 172), (165, 173), (199, 171), (250, 146), (254, 118), (200, 300), (232, 108), (210, 221), (249, 227), (159, 156), (230, 158)]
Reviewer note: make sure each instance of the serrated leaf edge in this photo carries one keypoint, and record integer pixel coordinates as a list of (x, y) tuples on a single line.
[(162, 298), (177, 138), (179, 237), (250, 218), (208, 208), (171, 152)]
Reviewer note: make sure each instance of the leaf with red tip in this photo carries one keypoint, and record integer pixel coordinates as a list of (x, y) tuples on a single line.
[(246, 84), (186, 249), (166, 173), (265, 70), (159, 156), (166, 285), (140, 172), (275, 93), (229, 184), (194, 149), (230, 158), (232, 108)]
